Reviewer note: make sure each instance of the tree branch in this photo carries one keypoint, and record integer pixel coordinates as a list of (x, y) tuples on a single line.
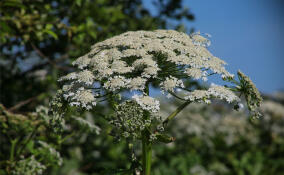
[(24, 102), (50, 61)]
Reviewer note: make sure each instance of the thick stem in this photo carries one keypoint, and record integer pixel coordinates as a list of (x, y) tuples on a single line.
[(146, 144), (146, 153)]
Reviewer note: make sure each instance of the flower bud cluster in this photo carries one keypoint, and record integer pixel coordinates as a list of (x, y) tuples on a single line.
[(52, 152), (28, 166), (129, 119), (252, 95)]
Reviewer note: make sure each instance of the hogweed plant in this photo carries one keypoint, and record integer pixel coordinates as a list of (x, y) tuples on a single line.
[(28, 142), (121, 70)]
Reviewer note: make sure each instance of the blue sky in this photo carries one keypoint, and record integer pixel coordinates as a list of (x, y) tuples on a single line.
[(247, 34)]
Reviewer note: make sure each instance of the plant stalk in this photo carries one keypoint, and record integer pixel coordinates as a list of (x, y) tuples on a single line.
[(146, 144), (176, 112), (12, 152), (146, 153)]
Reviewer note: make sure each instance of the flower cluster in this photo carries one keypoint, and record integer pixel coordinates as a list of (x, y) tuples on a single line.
[(170, 83), (147, 103), (130, 120), (133, 59), (252, 95), (28, 166), (215, 91), (52, 152), (196, 73)]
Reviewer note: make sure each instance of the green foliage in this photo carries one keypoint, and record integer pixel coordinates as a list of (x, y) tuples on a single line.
[(215, 140), (24, 149), (207, 140), (39, 39)]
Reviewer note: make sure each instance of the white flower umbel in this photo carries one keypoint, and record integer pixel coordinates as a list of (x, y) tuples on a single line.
[(147, 103), (84, 76), (199, 40), (171, 83), (196, 73), (215, 91), (222, 93), (116, 83), (82, 62), (83, 98), (120, 66), (129, 61), (137, 83), (197, 96)]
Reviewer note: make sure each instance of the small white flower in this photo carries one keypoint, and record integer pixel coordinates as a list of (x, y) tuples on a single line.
[(137, 83), (84, 98), (116, 83), (222, 93), (147, 103), (197, 96), (86, 77), (195, 73), (171, 83), (82, 62)]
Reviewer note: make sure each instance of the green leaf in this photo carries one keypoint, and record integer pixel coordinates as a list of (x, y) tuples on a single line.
[(13, 3), (165, 138), (48, 26), (79, 2), (5, 27), (50, 32)]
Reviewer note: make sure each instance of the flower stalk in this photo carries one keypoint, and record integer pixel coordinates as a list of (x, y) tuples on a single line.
[(146, 153), (176, 112), (146, 144)]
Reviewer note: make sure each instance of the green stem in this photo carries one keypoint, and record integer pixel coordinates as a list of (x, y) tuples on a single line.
[(146, 144), (67, 137), (178, 110), (19, 152), (12, 152), (146, 153)]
